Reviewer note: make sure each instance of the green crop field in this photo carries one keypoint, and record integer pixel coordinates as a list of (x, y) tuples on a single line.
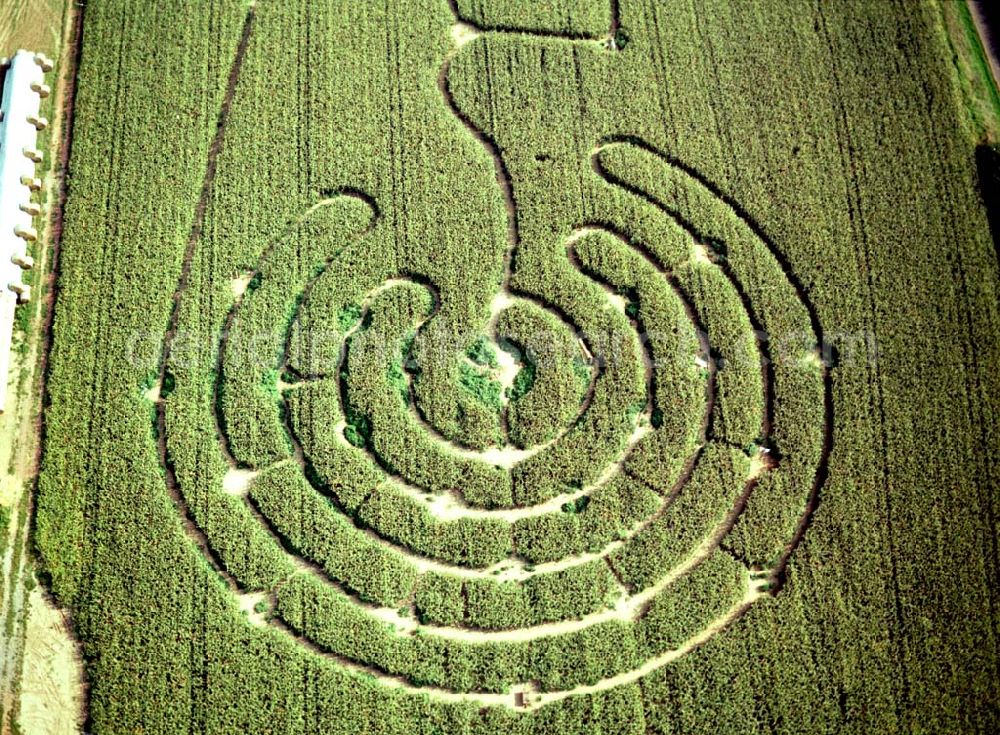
[(496, 366)]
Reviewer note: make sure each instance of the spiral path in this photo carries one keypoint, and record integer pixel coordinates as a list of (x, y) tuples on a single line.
[(661, 410)]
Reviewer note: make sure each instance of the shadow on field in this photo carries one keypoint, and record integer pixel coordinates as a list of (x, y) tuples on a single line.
[(988, 177)]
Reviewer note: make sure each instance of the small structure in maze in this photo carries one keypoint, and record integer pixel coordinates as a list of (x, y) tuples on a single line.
[(20, 121)]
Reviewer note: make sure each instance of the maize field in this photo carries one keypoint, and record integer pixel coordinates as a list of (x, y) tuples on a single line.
[(478, 366)]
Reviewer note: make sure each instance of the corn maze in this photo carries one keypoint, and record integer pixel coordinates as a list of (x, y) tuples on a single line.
[(466, 393), (406, 513)]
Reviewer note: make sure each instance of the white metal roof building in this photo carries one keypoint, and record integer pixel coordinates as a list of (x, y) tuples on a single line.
[(20, 121)]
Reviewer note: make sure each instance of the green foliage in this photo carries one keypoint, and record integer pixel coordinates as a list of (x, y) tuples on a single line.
[(348, 316), (593, 521), (703, 503), (481, 385), (557, 16), (355, 435), (397, 379), (690, 605), (439, 598), (577, 506), (482, 353), (313, 528), (800, 148), (473, 542), (523, 382), (739, 379), (501, 605)]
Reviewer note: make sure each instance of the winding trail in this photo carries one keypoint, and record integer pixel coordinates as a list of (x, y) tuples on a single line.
[(802, 294), (629, 607)]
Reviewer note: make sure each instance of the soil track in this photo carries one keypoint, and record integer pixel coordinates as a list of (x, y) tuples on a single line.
[(632, 604), (51, 691)]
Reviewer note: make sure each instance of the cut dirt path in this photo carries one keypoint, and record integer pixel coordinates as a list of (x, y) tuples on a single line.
[(52, 690), (627, 609)]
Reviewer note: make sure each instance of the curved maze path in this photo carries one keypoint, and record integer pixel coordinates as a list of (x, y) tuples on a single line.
[(628, 512)]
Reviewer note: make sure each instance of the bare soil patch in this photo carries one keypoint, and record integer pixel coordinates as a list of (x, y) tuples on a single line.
[(52, 672)]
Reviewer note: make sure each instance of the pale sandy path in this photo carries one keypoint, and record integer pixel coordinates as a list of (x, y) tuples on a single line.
[(51, 701), (755, 589)]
